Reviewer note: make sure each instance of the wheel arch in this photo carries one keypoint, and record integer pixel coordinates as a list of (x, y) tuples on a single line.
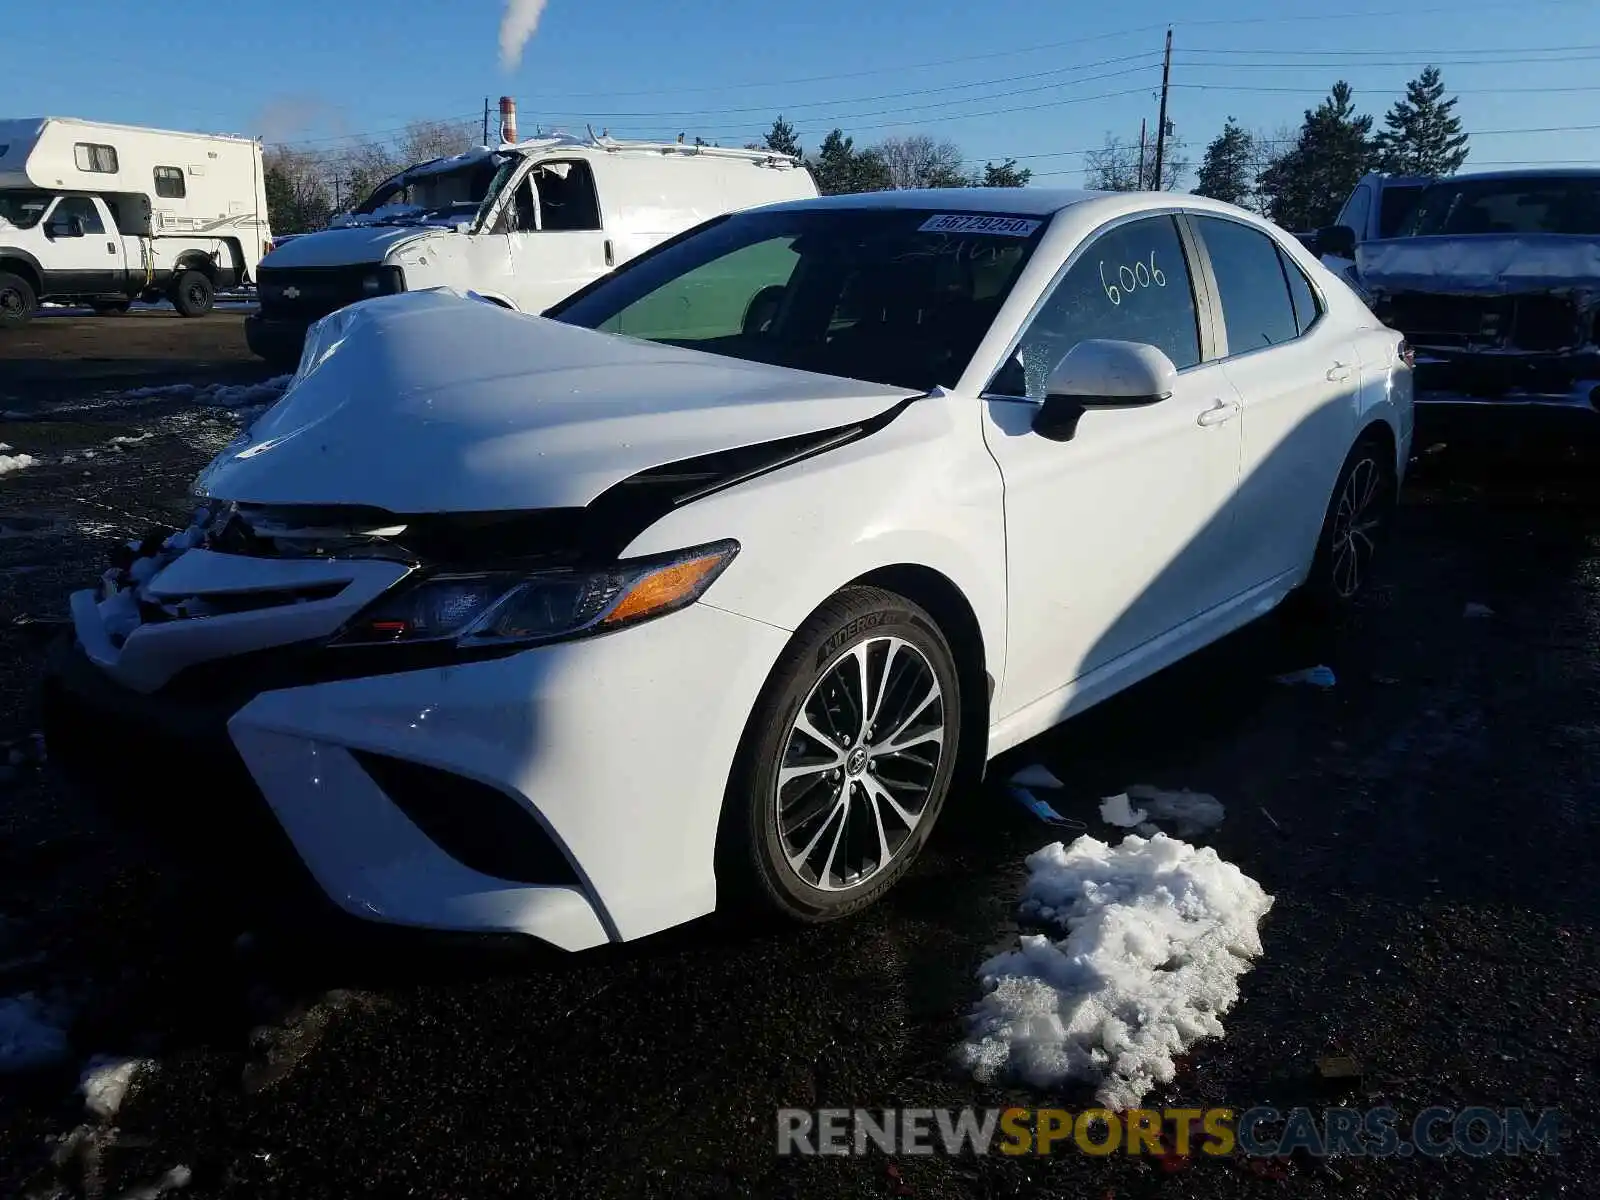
[(1379, 429), (196, 260), (25, 265), (948, 605)]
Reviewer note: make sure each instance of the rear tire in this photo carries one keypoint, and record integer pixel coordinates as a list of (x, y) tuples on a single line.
[(1354, 529), (18, 302), (192, 294), (833, 795)]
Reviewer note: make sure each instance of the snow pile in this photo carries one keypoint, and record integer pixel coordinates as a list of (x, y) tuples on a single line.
[(1155, 934), (105, 1083), (215, 395), (1187, 812), (28, 1038), (14, 462)]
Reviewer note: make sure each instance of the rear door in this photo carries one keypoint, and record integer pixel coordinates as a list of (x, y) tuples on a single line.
[(1299, 380)]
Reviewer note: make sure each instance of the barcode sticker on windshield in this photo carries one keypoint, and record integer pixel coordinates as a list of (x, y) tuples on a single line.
[(975, 223)]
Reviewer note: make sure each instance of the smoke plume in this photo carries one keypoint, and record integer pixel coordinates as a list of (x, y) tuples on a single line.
[(516, 27)]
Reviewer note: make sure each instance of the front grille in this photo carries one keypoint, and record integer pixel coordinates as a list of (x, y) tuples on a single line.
[(1535, 323), (306, 293), (480, 827)]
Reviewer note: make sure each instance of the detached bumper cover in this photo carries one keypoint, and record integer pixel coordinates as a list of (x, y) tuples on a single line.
[(605, 758)]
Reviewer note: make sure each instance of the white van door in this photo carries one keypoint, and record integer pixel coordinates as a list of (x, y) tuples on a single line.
[(570, 245)]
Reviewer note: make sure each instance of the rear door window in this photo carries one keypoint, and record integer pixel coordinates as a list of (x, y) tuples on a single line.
[(1256, 308)]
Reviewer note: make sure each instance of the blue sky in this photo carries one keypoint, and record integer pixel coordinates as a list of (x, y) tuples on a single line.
[(1038, 79)]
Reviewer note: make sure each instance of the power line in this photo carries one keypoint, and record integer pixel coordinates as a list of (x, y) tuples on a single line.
[(1297, 91), (1427, 61)]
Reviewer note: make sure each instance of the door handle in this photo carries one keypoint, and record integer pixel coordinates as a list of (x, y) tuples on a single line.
[(611, 257), (1338, 373), (1220, 411), (111, 247)]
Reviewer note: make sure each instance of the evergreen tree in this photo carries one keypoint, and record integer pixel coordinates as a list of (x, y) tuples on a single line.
[(1228, 168), (1006, 174), (783, 139), (1421, 134), (1305, 187), (839, 167)]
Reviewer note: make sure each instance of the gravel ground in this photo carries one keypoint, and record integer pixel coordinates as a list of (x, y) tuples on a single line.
[(1427, 828)]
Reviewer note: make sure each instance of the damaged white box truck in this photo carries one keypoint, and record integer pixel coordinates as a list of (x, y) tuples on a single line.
[(102, 215)]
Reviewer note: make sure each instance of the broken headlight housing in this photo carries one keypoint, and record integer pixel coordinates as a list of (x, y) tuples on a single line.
[(499, 608)]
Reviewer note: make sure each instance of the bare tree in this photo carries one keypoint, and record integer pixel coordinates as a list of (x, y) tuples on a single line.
[(920, 161), (424, 140), (1116, 167)]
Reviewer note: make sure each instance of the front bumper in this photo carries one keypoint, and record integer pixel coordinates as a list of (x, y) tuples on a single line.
[(276, 339), (614, 751)]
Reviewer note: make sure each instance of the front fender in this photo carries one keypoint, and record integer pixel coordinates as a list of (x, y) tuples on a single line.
[(923, 490)]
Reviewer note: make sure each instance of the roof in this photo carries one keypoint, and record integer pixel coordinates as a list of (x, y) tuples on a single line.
[(188, 133), (1022, 202), (1525, 173)]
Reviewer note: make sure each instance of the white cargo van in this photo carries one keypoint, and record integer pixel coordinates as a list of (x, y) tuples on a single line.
[(103, 215), (522, 225)]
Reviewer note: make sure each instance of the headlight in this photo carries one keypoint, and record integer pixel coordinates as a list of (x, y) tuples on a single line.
[(494, 608), (383, 281)]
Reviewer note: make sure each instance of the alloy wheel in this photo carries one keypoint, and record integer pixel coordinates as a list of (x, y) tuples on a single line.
[(859, 764), (1356, 522)]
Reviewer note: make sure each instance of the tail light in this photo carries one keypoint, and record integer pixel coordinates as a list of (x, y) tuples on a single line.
[(266, 248), (1408, 353)]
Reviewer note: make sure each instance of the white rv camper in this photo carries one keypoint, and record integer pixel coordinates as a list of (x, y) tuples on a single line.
[(107, 214)]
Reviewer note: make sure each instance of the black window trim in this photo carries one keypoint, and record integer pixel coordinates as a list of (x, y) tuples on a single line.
[(183, 182), (116, 159), (1203, 288), (1219, 317)]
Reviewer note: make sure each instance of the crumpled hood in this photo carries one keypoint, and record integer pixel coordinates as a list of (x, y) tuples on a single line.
[(1488, 264), (433, 402), (346, 247)]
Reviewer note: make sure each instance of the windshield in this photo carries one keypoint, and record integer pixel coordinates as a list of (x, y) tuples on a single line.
[(1531, 204), (899, 297), (22, 210), (447, 196)]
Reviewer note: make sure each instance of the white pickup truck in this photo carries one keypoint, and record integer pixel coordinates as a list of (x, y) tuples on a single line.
[(102, 215)]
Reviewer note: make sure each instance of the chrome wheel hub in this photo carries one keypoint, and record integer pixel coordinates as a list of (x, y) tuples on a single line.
[(859, 764)]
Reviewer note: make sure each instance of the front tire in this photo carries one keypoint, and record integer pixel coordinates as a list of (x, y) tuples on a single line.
[(18, 302), (845, 761), (1355, 527), (192, 294)]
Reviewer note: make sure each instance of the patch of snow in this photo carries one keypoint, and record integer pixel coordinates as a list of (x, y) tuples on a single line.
[(1036, 775), (105, 1083), (14, 462), (1116, 810), (1153, 936), (128, 439), (215, 395), (28, 1038)]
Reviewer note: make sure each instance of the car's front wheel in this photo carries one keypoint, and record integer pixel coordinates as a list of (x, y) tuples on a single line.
[(846, 760)]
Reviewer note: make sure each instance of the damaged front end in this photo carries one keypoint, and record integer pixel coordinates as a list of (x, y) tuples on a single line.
[(1493, 318)]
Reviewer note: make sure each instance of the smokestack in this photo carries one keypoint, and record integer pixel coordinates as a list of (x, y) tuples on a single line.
[(508, 119)]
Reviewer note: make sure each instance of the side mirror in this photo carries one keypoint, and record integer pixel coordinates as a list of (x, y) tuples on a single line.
[(1337, 240), (1102, 373)]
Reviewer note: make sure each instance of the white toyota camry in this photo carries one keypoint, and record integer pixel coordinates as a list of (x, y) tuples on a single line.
[(699, 587)]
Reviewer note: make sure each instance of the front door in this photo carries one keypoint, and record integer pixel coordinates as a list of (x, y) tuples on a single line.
[(1124, 532), (85, 258), (570, 247)]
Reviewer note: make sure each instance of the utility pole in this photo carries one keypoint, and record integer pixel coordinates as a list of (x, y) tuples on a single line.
[(1161, 124), (1140, 188), (486, 120)]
